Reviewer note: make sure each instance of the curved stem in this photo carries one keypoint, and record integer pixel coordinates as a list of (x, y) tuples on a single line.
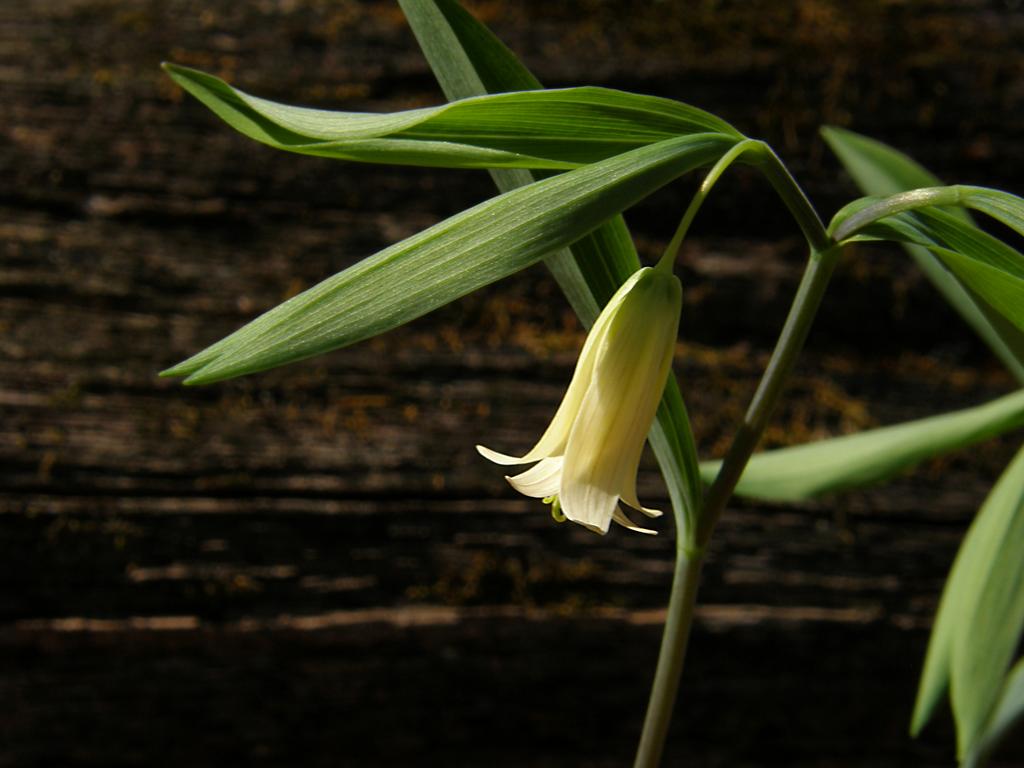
[(764, 159), (822, 260), (787, 349), (669, 256)]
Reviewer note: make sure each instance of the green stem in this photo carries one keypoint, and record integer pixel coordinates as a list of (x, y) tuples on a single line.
[(679, 618), (674, 638), (787, 349), (822, 261), (764, 159), (669, 256)]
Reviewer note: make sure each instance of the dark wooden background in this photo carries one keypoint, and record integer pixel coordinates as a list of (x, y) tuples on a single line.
[(312, 566)]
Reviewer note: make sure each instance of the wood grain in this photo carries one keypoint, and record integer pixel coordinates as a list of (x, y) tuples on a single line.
[(312, 566)]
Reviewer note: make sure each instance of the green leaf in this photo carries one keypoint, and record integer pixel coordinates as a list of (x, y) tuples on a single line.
[(860, 214), (469, 60), (967, 239), (838, 464), (980, 616), (990, 608), (1009, 712), (1001, 290), (467, 251), (466, 57), (987, 266), (1002, 206), (555, 129), (881, 170)]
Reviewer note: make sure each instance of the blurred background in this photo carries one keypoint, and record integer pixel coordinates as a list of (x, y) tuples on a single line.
[(312, 566)]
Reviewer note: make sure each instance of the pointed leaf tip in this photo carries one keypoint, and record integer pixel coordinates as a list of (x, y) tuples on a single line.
[(185, 367)]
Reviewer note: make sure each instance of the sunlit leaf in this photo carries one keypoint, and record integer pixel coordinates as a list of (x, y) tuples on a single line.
[(852, 461), (554, 129), (981, 615), (881, 170), (1002, 206), (861, 213), (990, 608), (467, 251)]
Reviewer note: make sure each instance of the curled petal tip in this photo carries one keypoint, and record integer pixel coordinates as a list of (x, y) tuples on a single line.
[(620, 517), (629, 497), (499, 458)]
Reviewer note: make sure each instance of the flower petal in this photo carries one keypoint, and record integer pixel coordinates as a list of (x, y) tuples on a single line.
[(556, 436), (588, 504), (620, 517), (629, 497), (539, 481), (501, 458)]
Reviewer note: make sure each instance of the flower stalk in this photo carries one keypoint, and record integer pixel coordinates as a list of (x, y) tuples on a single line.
[(689, 560), (671, 655)]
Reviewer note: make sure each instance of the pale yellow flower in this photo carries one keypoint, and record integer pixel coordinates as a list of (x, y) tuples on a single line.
[(587, 459)]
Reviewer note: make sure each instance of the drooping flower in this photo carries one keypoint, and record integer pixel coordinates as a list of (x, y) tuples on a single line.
[(587, 459)]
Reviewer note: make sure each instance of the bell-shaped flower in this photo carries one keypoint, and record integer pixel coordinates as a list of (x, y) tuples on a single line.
[(588, 457)]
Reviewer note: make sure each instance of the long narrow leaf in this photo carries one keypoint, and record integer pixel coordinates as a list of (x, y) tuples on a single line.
[(881, 170), (554, 129), (990, 607), (980, 616), (838, 464), (467, 251), (469, 60)]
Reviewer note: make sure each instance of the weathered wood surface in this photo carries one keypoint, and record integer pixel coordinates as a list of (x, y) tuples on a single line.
[(312, 566)]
